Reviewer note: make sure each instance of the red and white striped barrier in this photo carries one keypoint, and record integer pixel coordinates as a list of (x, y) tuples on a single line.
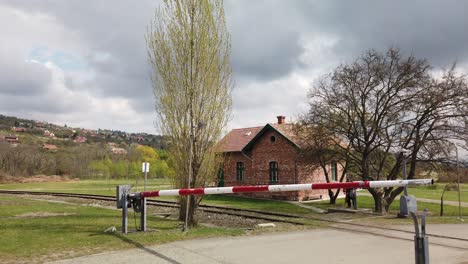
[(286, 187)]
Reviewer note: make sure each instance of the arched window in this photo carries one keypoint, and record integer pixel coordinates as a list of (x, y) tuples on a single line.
[(273, 171), (240, 171)]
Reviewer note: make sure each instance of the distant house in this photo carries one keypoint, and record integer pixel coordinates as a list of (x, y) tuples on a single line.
[(19, 129), (47, 133), (11, 139), (118, 151), (270, 154), (50, 147), (139, 138), (80, 139), (40, 125)]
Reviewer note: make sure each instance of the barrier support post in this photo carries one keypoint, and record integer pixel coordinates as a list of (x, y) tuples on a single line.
[(124, 214), (421, 242), (143, 214)]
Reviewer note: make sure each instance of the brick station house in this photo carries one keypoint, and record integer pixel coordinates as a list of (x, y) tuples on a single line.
[(270, 154)]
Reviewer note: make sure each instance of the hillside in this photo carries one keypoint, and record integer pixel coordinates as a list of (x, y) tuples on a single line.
[(29, 147), (31, 131)]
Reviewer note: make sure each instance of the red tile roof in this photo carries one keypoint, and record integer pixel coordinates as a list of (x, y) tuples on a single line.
[(49, 147), (238, 138)]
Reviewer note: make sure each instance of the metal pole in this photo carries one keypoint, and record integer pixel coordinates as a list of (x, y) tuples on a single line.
[(143, 214), (124, 213), (404, 173), (146, 174), (458, 185), (189, 181)]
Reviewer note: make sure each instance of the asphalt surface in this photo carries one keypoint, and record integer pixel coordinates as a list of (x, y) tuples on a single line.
[(315, 246)]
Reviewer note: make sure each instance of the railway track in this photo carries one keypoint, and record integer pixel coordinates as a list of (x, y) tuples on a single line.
[(247, 213), (395, 233)]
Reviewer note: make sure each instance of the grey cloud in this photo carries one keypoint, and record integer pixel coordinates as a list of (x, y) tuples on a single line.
[(24, 78), (436, 30), (116, 28), (46, 104), (267, 44), (265, 38)]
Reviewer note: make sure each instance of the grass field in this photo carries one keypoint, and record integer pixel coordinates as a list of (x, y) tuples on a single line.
[(435, 191), (254, 204), (108, 188), (35, 231), (368, 202), (103, 187)]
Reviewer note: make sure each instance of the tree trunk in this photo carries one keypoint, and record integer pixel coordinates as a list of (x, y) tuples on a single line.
[(390, 197), (183, 207), (333, 196), (380, 204)]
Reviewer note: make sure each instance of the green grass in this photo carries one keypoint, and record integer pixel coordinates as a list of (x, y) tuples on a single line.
[(368, 202), (38, 231), (108, 188), (102, 187), (254, 204), (435, 191)]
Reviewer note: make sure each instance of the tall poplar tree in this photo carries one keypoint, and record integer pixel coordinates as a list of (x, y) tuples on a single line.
[(189, 49)]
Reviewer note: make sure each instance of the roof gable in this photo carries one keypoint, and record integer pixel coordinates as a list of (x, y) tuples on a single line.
[(284, 130)]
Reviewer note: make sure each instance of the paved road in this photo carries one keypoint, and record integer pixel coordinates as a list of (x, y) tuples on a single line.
[(316, 246)]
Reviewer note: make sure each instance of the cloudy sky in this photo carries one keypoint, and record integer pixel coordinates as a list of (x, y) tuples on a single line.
[(83, 63)]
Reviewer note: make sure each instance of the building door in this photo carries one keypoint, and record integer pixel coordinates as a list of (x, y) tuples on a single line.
[(221, 177)]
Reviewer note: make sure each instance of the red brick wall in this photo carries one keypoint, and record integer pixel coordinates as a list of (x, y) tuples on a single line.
[(230, 169), (263, 152)]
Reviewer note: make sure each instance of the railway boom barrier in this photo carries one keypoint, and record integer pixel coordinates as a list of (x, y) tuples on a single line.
[(137, 200), (126, 199)]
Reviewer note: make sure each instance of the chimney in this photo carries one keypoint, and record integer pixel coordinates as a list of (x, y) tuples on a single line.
[(281, 120)]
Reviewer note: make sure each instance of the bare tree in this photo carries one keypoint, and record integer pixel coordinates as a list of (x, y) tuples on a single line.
[(319, 150), (189, 49), (385, 104)]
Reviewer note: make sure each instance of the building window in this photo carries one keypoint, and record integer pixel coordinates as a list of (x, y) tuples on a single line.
[(273, 171), (240, 171), (272, 139), (220, 177), (333, 171)]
